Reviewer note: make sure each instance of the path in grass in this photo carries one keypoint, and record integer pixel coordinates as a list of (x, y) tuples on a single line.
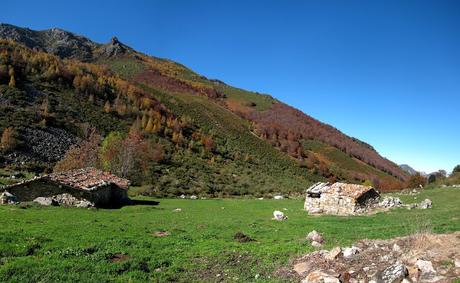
[(50, 243)]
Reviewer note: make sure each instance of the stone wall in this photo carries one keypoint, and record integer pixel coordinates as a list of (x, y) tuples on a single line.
[(104, 196), (329, 203)]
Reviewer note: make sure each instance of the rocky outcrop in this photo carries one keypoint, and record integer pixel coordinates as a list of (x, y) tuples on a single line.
[(63, 43)]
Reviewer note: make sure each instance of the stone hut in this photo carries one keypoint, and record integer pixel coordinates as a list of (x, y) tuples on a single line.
[(84, 187), (340, 198)]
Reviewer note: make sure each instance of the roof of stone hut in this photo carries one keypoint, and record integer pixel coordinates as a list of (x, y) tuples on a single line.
[(84, 179), (342, 189), (87, 179)]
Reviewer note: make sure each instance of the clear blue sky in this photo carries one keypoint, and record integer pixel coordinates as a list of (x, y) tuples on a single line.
[(387, 72)]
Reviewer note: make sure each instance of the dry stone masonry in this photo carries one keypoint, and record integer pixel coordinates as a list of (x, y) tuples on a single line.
[(340, 198)]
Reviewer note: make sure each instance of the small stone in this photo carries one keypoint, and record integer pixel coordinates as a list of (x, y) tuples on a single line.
[(394, 273), (193, 197), (279, 216), (334, 254), (427, 203), (350, 252), (177, 210), (457, 263), (182, 196), (315, 236), (301, 267), (278, 197), (426, 267), (396, 248)]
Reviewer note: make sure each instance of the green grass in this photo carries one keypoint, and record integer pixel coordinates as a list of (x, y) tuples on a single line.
[(66, 244)]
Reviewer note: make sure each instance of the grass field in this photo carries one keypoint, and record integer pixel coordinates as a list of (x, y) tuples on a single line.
[(49, 244)]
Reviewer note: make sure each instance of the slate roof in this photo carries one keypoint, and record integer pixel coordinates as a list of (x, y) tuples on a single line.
[(87, 179), (342, 189), (83, 179)]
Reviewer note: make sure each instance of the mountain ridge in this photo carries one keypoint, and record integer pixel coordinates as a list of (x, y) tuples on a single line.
[(292, 132)]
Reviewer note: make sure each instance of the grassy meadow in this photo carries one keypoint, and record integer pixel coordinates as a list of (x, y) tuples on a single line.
[(49, 244)]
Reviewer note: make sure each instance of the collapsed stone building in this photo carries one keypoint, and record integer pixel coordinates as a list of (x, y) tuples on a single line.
[(340, 198), (86, 187)]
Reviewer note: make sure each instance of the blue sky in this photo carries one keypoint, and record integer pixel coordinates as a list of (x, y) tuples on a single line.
[(386, 72)]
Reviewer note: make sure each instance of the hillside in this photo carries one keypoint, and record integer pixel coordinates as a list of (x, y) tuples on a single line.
[(214, 139)]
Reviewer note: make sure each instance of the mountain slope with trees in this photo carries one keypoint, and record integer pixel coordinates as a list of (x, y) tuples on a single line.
[(186, 133)]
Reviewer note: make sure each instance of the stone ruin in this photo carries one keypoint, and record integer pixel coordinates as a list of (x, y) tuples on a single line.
[(340, 199), (352, 199)]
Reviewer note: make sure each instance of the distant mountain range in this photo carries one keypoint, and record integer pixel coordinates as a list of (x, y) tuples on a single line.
[(259, 144), (408, 169)]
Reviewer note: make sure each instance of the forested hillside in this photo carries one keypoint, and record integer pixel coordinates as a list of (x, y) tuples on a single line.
[(69, 102)]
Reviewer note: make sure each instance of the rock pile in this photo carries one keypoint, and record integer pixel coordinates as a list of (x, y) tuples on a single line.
[(315, 238), (64, 200), (417, 258), (390, 202)]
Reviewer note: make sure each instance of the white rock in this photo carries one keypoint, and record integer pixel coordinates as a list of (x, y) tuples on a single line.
[(177, 210), (193, 197), (427, 203), (396, 248), (457, 263), (279, 216), (260, 198), (350, 252), (426, 267), (278, 197), (182, 196)]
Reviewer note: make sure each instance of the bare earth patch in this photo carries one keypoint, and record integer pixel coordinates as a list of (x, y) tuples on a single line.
[(415, 258)]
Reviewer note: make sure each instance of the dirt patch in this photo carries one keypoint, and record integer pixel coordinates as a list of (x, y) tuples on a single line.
[(242, 238), (160, 234), (119, 258), (422, 258)]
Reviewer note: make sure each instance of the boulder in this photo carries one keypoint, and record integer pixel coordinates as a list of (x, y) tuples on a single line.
[(279, 216), (427, 203), (8, 198), (193, 197), (278, 197), (394, 273), (320, 277), (315, 236), (350, 252)]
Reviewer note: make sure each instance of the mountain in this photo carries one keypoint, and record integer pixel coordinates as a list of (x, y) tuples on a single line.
[(216, 139), (408, 169)]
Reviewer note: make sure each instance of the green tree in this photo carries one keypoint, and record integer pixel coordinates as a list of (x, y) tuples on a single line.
[(456, 169)]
